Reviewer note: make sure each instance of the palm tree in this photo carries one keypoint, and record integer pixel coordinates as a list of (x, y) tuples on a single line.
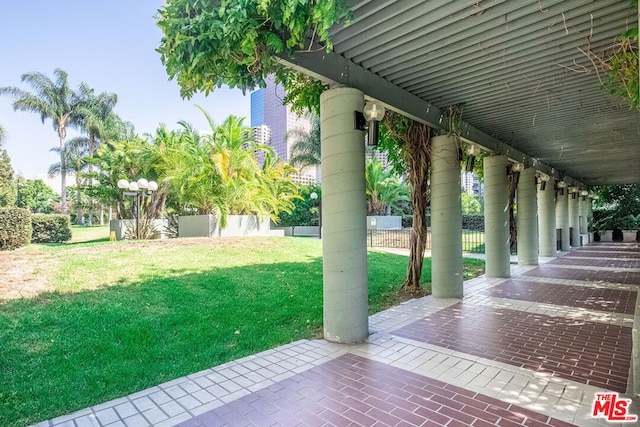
[(53, 100), (383, 188), (97, 120), (75, 152), (306, 150), (3, 134)]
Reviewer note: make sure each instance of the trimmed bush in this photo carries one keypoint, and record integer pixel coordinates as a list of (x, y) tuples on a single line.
[(473, 222), (50, 228), (15, 228)]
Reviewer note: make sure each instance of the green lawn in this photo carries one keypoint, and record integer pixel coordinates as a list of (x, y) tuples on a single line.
[(81, 233), (130, 315)]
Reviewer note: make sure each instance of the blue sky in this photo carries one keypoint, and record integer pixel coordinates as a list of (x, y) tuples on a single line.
[(110, 45)]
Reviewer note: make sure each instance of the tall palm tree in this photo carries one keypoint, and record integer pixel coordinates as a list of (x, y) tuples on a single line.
[(306, 148), (53, 100), (75, 152), (98, 122), (3, 134)]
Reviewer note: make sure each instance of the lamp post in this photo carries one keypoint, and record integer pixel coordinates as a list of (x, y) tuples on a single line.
[(138, 189), (314, 196)]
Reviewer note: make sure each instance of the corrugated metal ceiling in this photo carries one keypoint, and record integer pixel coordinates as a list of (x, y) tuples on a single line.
[(517, 68)]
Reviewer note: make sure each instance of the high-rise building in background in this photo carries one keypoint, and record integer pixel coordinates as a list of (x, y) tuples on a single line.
[(471, 184), (272, 122)]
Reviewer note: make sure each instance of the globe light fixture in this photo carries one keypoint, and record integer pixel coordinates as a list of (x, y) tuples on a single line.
[(373, 112), (561, 186), (137, 189)]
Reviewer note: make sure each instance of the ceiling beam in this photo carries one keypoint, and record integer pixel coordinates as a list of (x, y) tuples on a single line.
[(335, 70)]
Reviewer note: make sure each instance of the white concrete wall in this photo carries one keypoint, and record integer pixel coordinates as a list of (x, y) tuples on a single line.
[(237, 225), (388, 222)]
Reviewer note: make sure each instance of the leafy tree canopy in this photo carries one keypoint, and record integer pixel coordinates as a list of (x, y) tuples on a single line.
[(207, 44), (470, 204), (37, 195)]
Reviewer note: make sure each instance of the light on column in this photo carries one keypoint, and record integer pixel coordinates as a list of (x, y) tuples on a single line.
[(373, 113), (123, 184), (584, 194), (516, 168), (472, 152), (573, 191), (561, 186), (544, 178)]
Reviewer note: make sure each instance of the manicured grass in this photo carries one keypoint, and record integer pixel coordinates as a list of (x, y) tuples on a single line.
[(126, 316), (81, 233)]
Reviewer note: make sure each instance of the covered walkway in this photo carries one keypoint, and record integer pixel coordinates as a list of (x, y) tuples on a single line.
[(530, 350)]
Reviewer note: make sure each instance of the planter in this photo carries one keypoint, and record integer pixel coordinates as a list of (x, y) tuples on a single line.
[(237, 225), (119, 227), (606, 236), (629, 236)]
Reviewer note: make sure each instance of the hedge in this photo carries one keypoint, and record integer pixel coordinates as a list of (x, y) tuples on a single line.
[(50, 228), (15, 228), (469, 222)]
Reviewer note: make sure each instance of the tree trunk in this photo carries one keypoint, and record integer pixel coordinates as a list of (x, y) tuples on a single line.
[(513, 230), (102, 214), (63, 172), (417, 148), (79, 215), (92, 152), (110, 214)]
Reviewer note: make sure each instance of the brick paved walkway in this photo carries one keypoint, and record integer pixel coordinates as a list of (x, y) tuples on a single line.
[(532, 351)]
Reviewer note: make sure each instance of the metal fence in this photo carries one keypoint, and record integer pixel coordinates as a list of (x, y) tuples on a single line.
[(472, 241)]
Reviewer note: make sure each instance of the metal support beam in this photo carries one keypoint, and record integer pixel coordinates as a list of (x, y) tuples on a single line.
[(335, 70)]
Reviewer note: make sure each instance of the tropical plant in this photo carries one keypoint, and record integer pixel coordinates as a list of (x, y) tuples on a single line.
[(99, 121), (53, 100), (384, 189), (76, 151), (306, 210), (305, 151)]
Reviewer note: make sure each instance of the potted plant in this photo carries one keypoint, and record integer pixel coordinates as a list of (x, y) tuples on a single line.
[(604, 227), (630, 225)]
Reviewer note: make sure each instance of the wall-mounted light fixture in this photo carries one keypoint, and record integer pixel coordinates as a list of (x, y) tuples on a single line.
[(369, 119), (472, 152), (584, 194), (516, 168), (595, 197), (544, 178), (573, 191), (561, 186), (373, 113)]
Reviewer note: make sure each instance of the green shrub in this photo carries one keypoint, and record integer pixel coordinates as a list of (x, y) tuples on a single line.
[(50, 228), (15, 228)]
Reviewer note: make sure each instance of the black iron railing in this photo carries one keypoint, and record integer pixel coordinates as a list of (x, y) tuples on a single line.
[(472, 241)]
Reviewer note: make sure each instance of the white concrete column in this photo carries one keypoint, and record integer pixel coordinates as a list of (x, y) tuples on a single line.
[(562, 218), (527, 218), (582, 214), (547, 221), (446, 219), (496, 217), (573, 219), (344, 234)]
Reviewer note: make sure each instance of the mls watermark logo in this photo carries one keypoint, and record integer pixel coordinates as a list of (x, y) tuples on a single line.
[(611, 407)]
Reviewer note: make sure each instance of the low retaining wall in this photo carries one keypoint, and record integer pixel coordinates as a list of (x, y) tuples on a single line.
[(119, 227), (237, 225)]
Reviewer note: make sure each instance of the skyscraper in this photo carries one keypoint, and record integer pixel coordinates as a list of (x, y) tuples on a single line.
[(272, 121)]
